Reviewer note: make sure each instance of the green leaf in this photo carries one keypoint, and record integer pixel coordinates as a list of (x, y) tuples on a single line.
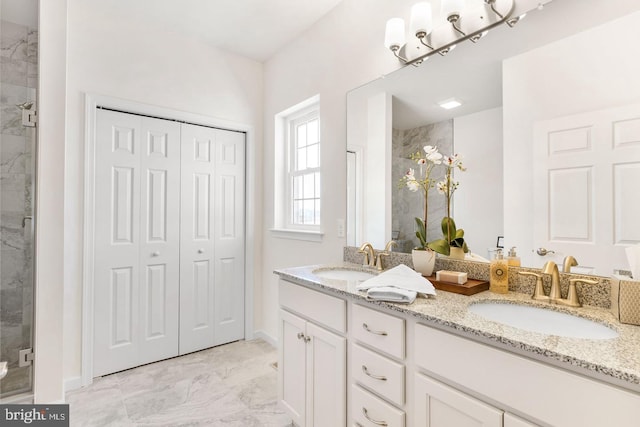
[(448, 225), (421, 232), (441, 246)]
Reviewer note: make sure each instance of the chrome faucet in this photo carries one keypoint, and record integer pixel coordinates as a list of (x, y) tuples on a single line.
[(369, 257)]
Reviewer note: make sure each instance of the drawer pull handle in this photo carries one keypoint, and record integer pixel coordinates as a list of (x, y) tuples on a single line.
[(357, 424), (375, 377), (376, 422), (366, 328)]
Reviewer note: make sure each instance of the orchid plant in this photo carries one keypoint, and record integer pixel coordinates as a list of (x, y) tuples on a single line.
[(451, 236), (422, 182)]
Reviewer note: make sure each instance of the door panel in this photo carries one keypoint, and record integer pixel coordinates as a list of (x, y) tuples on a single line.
[(212, 244), (137, 241), (229, 220), (117, 271), (292, 367), (585, 192), (196, 242)]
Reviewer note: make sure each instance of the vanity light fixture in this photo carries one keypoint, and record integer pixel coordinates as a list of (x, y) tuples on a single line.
[(455, 25), (450, 103)]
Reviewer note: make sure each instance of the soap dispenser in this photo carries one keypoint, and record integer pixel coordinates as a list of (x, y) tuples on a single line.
[(499, 274), (512, 259)]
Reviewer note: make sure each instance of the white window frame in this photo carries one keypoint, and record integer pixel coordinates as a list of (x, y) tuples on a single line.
[(285, 156)]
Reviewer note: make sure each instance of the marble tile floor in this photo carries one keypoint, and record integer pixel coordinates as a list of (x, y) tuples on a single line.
[(230, 385)]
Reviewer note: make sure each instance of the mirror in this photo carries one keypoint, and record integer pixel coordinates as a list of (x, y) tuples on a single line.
[(506, 82)]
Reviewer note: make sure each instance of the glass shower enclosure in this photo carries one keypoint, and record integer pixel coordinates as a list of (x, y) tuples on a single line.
[(18, 83)]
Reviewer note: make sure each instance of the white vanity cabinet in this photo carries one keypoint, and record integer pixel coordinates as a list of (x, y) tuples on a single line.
[(311, 358), (438, 405)]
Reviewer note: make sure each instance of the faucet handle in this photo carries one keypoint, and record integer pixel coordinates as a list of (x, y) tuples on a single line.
[(572, 296), (538, 292)]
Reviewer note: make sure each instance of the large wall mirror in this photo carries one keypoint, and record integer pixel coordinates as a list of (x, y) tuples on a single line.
[(540, 102)]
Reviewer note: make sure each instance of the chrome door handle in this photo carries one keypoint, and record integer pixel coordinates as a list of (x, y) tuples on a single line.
[(300, 335), (376, 422), (200, 251), (375, 377), (366, 328)]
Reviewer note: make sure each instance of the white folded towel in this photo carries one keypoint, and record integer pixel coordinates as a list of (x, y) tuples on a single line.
[(391, 294), (401, 277)]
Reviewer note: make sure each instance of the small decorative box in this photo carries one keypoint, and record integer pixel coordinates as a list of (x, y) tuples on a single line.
[(625, 300)]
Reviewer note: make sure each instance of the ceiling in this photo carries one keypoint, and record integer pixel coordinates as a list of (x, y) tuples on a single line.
[(254, 29)]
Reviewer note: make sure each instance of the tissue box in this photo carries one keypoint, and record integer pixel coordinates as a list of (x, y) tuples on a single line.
[(625, 300), (456, 277)]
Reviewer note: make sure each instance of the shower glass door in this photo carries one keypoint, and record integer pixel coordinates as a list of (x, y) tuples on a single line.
[(18, 83)]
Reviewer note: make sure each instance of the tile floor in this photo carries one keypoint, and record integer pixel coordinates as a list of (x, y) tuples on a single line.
[(229, 385)]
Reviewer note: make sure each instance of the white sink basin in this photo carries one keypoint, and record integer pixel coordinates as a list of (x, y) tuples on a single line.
[(345, 274), (543, 321)]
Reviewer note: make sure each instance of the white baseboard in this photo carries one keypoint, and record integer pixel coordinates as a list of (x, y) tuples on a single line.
[(73, 383), (266, 337)]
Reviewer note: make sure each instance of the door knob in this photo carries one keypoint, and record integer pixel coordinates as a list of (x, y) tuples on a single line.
[(201, 251), (155, 253), (543, 252)]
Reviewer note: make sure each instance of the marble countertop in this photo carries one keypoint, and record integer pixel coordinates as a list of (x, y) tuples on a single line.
[(615, 360)]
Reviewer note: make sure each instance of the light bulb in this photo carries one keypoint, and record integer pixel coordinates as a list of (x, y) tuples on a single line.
[(394, 34), (421, 18), (452, 7)]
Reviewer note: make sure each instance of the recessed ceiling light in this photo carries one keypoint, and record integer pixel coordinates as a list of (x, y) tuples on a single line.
[(450, 103)]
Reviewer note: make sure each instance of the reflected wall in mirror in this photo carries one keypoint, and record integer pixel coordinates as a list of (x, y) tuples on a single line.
[(514, 83)]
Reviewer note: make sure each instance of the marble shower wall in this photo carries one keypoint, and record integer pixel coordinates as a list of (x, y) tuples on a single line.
[(406, 204), (18, 82)]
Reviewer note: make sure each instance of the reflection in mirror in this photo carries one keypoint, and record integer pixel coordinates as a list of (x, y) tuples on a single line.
[(513, 83)]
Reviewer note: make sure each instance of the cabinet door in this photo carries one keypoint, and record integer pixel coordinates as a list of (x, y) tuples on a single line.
[(292, 367), (326, 378), (438, 405)]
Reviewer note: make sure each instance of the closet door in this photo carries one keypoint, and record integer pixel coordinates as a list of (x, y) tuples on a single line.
[(136, 241), (212, 238)]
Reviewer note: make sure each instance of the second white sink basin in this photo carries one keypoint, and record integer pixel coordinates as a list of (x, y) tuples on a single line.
[(343, 274), (543, 321)]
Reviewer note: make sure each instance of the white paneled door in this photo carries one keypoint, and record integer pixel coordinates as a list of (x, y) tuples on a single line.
[(586, 191), (212, 238), (169, 239), (137, 241)]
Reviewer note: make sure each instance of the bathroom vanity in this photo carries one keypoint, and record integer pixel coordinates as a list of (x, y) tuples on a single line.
[(347, 361)]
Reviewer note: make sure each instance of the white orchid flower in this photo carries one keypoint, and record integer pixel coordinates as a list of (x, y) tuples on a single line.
[(441, 186), (413, 185)]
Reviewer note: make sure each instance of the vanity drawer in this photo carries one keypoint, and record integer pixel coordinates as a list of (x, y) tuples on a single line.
[(378, 374), (370, 411), (379, 330), (321, 308)]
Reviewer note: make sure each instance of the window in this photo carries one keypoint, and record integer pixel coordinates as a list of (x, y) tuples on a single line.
[(304, 171), (297, 172)]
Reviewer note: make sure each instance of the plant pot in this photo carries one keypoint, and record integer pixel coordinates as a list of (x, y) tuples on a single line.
[(456, 253), (423, 261)]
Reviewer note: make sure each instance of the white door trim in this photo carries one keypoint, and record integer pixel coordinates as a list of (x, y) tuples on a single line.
[(91, 102)]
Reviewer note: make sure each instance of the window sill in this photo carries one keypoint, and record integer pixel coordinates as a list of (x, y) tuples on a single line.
[(309, 236)]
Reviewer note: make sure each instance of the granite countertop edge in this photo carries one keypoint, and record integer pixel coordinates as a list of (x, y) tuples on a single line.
[(621, 366)]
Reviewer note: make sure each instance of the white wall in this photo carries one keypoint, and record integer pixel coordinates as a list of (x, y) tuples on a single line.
[(340, 52), (592, 70), (478, 201), (107, 55), (49, 268)]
